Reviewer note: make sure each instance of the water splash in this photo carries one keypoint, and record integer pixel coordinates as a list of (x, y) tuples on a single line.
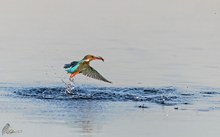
[(69, 87), (162, 96)]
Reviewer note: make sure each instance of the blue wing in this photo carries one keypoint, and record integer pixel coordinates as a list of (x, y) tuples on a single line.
[(72, 64)]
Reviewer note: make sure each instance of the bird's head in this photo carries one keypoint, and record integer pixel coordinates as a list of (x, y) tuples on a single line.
[(89, 58)]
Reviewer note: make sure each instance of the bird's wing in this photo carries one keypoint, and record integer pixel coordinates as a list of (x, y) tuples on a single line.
[(72, 64), (92, 73)]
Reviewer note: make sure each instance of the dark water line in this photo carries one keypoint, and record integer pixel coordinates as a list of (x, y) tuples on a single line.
[(161, 96)]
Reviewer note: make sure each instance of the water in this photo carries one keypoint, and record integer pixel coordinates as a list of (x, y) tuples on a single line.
[(162, 57), (94, 111), (166, 96)]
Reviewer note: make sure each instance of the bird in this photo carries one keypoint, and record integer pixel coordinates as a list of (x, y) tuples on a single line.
[(83, 67)]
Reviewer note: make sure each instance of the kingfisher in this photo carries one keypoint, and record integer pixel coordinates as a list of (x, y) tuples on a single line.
[(83, 66)]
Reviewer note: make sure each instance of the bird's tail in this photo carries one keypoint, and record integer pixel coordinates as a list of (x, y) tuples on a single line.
[(67, 66), (68, 71)]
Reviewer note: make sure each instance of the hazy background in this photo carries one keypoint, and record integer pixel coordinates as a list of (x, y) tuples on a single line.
[(143, 42)]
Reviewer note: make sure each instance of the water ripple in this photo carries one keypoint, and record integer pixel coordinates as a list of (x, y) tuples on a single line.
[(162, 96)]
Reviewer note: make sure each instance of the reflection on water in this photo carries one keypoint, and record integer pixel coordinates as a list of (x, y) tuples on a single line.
[(85, 116), (90, 117)]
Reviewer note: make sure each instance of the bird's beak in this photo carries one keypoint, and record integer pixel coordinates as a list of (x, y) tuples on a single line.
[(99, 58)]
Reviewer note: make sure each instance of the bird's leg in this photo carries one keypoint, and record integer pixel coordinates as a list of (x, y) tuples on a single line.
[(71, 78), (73, 74)]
